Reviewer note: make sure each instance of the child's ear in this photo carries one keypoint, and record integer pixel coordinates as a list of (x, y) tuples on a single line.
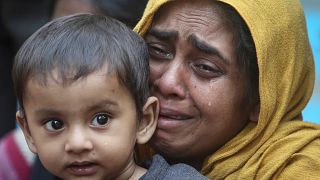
[(22, 121), (148, 123)]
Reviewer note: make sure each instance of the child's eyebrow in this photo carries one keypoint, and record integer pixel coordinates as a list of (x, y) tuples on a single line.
[(46, 112), (100, 105), (103, 104)]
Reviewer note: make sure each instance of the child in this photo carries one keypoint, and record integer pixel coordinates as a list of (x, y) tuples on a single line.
[(82, 83)]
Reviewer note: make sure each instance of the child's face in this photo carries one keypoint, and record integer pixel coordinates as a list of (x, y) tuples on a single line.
[(84, 130)]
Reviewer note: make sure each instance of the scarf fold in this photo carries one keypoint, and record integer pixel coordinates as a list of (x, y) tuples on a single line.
[(280, 145)]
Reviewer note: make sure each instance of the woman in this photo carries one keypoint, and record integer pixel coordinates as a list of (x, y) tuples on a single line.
[(232, 77)]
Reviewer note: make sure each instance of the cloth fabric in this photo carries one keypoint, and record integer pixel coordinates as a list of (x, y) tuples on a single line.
[(15, 162), (280, 145), (39, 172), (159, 169)]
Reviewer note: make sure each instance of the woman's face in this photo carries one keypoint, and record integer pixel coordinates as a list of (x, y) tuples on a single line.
[(196, 77)]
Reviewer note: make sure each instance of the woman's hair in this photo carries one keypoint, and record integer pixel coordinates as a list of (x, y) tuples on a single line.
[(78, 45), (245, 49)]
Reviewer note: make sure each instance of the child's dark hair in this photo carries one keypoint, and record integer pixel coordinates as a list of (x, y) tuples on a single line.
[(78, 45)]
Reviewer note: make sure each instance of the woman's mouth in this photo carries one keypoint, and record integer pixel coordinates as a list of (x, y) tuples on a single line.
[(172, 114), (171, 119), (174, 117)]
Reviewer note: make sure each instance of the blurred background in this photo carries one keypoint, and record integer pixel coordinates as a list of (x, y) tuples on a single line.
[(312, 11)]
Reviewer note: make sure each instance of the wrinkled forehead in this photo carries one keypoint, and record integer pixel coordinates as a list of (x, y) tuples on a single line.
[(200, 22), (191, 14)]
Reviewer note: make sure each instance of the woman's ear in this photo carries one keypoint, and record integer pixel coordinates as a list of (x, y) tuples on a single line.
[(22, 121), (254, 114), (148, 123)]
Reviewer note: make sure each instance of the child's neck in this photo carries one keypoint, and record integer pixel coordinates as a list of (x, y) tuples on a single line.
[(133, 173), (138, 172)]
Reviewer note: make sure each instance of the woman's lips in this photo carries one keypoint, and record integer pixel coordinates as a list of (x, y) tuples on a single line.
[(174, 117), (173, 114), (171, 119), (82, 168)]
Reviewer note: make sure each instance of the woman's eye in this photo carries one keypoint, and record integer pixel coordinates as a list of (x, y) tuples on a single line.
[(159, 53), (100, 120), (206, 68), (206, 71), (54, 125)]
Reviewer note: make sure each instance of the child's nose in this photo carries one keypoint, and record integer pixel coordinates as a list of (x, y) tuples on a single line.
[(78, 141)]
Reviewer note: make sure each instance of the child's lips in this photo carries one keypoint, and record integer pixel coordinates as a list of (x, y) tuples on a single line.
[(84, 168)]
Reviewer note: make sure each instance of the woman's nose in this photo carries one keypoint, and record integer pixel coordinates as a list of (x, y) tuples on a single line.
[(78, 141), (170, 81)]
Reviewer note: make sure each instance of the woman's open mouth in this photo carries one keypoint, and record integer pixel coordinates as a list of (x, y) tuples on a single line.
[(172, 119)]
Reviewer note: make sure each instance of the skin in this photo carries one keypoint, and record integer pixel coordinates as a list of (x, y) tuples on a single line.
[(83, 147), (195, 76)]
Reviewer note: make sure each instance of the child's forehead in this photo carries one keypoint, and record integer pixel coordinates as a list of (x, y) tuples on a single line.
[(100, 82), (56, 77), (54, 83), (95, 93)]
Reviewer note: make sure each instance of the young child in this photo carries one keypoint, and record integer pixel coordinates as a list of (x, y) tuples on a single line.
[(82, 83)]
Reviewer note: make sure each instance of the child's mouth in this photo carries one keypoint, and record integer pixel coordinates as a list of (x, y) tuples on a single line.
[(82, 168)]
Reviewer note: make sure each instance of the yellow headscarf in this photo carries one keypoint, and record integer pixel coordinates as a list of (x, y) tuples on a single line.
[(280, 145)]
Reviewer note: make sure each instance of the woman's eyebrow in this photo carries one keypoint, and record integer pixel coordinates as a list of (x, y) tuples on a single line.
[(163, 34), (206, 48)]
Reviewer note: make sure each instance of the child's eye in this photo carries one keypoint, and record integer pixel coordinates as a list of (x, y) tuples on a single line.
[(100, 120), (54, 125)]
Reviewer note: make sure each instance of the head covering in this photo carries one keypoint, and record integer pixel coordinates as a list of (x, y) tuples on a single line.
[(280, 145)]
